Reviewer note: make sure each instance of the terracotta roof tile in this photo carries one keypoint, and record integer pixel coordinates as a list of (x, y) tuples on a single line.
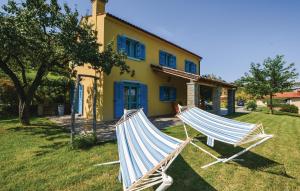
[(288, 95), (189, 76)]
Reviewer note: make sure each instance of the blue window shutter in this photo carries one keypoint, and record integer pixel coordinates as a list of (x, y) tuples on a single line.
[(173, 62), (144, 97), (162, 58), (143, 52), (72, 97), (121, 43), (194, 68), (138, 50), (161, 93), (172, 94), (186, 66), (80, 99), (118, 99)]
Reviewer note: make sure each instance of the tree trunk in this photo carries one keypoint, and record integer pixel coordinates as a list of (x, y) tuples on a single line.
[(271, 103), (24, 112)]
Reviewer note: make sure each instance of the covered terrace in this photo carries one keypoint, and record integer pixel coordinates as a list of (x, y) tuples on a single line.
[(200, 90)]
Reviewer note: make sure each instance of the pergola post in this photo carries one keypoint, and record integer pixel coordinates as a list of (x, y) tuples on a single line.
[(94, 107), (73, 109), (216, 99), (193, 94), (231, 101)]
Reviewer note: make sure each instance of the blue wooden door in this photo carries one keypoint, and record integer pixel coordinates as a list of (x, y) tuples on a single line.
[(80, 99), (129, 96)]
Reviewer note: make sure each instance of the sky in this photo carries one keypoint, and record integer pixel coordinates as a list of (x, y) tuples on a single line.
[(228, 34)]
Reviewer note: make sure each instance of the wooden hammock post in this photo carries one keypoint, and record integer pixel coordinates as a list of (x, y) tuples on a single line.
[(73, 109), (94, 105)]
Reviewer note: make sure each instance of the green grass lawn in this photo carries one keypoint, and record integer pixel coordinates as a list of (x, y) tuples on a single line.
[(39, 158)]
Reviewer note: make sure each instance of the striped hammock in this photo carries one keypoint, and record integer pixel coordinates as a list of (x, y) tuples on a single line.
[(144, 152), (222, 129)]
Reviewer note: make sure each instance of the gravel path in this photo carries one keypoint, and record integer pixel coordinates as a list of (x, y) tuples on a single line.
[(106, 130)]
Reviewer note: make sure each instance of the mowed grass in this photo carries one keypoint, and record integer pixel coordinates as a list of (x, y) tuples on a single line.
[(38, 157)]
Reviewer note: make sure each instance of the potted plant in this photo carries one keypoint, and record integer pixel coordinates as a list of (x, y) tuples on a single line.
[(61, 105)]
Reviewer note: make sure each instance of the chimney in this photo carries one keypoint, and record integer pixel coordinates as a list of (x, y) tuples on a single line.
[(98, 7)]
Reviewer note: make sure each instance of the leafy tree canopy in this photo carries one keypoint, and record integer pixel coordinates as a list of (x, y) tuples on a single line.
[(42, 36), (270, 77), (213, 77)]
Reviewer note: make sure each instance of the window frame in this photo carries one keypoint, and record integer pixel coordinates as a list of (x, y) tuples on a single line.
[(190, 64), (170, 97), (130, 47), (167, 59)]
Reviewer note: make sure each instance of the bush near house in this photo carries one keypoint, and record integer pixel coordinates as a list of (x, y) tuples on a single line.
[(53, 91), (224, 104), (8, 98), (289, 108), (276, 102), (251, 105)]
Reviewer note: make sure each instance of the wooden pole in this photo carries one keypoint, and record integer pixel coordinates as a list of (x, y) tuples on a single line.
[(95, 108), (73, 109)]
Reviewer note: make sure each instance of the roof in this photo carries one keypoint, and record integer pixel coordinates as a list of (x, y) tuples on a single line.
[(149, 33), (190, 76), (288, 95)]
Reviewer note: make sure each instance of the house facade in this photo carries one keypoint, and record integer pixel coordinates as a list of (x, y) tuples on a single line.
[(165, 73), (292, 98)]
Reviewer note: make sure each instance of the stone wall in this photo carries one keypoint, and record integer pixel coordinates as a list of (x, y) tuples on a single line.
[(231, 101), (216, 99), (193, 92)]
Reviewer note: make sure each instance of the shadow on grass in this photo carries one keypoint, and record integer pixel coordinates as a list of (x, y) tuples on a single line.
[(87, 146), (56, 135), (49, 131), (237, 114), (276, 112), (250, 160), (185, 178)]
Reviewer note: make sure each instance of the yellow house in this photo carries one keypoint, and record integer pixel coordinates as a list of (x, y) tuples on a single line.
[(165, 73)]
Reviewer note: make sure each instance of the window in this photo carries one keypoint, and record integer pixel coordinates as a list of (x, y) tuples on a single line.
[(167, 93), (132, 48), (167, 59), (129, 96), (190, 67)]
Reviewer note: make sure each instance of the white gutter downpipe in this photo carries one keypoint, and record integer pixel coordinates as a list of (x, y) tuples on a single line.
[(167, 182)]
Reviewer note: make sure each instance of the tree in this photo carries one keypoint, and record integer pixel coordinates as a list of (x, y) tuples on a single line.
[(241, 94), (40, 37), (273, 76), (213, 77)]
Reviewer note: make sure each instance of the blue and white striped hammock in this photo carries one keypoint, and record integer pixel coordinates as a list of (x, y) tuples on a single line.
[(222, 129), (145, 153)]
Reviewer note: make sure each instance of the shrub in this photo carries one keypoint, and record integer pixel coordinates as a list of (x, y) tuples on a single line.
[(8, 98), (276, 102), (289, 108), (251, 105), (224, 104), (52, 91), (84, 141)]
